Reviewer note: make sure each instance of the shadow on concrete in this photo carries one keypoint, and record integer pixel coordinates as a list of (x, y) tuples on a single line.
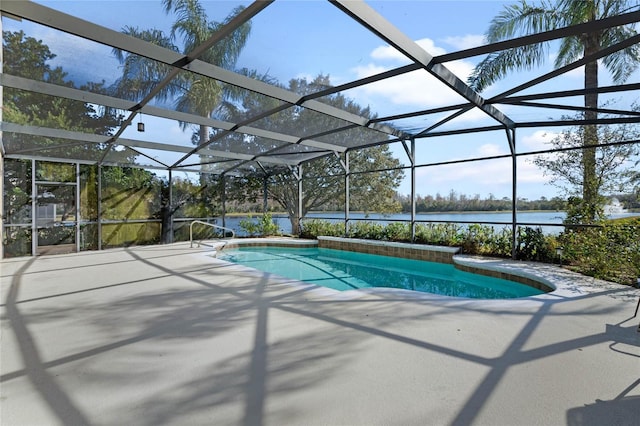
[(622, 410), (55, 397), (222, 305)]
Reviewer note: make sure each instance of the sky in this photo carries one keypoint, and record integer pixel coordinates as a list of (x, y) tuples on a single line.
[(295, 39)]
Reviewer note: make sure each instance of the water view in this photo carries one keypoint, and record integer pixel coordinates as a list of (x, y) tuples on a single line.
[(549, 221)]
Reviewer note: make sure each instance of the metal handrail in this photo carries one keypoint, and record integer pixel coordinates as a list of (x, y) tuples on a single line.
[(233, 234)]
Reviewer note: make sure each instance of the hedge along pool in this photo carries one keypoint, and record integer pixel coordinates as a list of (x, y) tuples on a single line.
[(345, 270)]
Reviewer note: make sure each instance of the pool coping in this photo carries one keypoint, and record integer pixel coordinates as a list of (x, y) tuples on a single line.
[(554, 280), (496, 269), (429, 253)]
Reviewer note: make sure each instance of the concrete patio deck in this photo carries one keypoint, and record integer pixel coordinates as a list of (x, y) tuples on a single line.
[(169, 335)]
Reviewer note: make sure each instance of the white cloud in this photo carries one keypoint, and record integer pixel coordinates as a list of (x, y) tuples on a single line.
[(430, 47), (490, 176), (486, 173), (537, 140), (490, 149), (417, 89), (467, 41), (414, 90), (389, 53)]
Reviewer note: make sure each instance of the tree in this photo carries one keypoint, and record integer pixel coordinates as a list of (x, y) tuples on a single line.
[(614, 167), (27, 57), (191, 92), (323, 178), (524, 19), (30, 58)]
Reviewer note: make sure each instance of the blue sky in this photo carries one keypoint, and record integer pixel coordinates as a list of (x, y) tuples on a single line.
[(293, 39)]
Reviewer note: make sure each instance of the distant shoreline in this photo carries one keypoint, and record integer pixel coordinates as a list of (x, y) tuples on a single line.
[(339, 212), (436, 212)]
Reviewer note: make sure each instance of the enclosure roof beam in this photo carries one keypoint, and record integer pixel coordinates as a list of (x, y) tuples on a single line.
[(568, 93), (117, 103), (370, 19), (532, 124), (82, 138), (269, 154), (229, 27), (581, 122), (576, 108), (573, 30), (58, 20), (559, 71)]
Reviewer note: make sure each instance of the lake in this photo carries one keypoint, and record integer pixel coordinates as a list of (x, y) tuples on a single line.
[(547, 220)]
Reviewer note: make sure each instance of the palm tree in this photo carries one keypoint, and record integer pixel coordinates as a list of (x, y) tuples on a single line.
[(525, 19), (193, 93)]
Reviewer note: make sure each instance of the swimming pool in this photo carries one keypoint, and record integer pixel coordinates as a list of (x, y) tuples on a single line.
[(344, 270)]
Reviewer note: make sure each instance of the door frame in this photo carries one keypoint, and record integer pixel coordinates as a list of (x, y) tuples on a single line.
[(34, 207)]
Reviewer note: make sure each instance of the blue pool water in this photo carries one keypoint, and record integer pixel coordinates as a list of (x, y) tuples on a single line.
[(344, 270)]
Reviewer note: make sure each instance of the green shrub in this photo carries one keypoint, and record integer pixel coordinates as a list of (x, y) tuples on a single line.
[(500, 243), (442, 234), (17, 242), (476, 239), (397, 231), (249, 226), (317, 227), (264, 226), (533, 245), (56, 235), (367, 230), (610, 252)]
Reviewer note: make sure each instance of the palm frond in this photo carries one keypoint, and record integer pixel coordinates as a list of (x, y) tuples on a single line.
[(514, 20), (139, 74), (522, 19), (571, 49), (622, 63), (226, 52), (495, 66)]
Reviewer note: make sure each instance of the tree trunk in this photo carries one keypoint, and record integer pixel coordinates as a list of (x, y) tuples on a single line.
[(166, 216), (203, 137), (295, 224), (589, 181)]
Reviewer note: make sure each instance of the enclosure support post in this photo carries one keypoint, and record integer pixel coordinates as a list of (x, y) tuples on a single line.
[(2, 231), (265, 194), (411, 154), (347, 193), (78, 208), (412, 158), (34, 211), (511, 137), (300, 193), (223, 198), (170, 208), (1, 179), (99, 206)]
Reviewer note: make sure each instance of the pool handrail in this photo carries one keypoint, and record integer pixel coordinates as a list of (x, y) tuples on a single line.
[(233, 234)]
